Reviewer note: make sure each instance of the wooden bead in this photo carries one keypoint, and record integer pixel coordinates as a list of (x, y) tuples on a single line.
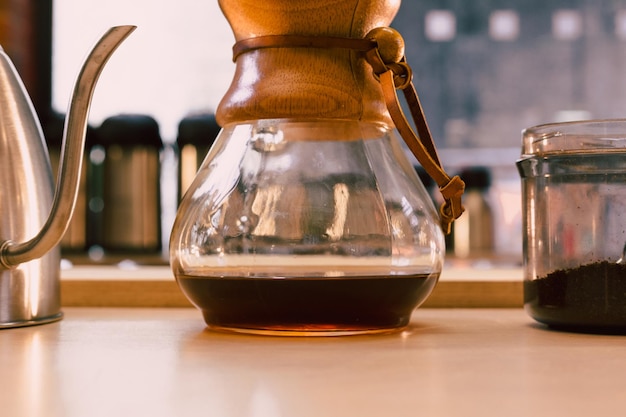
[(390, 44)]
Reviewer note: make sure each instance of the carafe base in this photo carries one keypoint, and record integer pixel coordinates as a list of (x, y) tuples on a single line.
[(305, 306)]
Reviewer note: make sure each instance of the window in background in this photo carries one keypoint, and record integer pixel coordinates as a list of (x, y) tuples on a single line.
[(440, 25), (178, 60), (567, 25), (504, 25), (512, 64), (620, 24)]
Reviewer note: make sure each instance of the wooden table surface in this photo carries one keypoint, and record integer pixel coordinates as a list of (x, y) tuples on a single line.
[(449, 362)]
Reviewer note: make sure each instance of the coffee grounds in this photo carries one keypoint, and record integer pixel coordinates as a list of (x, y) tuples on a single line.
[(590, 297)]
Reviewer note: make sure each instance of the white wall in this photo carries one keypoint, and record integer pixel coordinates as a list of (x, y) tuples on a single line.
[(177, 61)]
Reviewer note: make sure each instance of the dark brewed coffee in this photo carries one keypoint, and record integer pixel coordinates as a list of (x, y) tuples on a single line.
[(308, 305)]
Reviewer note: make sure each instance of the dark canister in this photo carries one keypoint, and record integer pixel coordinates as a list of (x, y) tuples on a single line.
[(131, 214), (76, 237), (196, 134)]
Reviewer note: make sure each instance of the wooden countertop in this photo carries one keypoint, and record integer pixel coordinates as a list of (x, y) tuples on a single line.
[(449, 362)]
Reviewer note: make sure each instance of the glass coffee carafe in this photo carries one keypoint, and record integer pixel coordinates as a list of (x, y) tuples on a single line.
[(306, 217)]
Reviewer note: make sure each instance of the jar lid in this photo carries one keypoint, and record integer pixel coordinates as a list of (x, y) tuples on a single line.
[(587, 136), (53, 128), (197, 129), (476, 178), (130, 130)]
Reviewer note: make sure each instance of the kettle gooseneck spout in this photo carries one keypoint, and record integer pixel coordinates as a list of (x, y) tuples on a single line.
[(65, 196)]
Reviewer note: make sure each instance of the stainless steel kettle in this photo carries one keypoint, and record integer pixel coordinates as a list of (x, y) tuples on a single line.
[(33, 215)]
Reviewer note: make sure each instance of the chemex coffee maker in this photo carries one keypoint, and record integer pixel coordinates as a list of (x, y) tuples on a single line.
[(306, 217), (33, 216)]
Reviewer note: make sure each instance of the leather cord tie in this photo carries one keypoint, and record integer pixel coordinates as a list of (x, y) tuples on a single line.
[(384, 51)]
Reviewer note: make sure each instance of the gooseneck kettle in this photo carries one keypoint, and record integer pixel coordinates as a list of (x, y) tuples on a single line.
[(33, 215)]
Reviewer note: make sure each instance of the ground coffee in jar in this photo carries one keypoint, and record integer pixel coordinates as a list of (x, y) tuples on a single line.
[(590, 297)]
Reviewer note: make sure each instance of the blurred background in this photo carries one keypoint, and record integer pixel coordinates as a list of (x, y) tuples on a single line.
[(484, 70)]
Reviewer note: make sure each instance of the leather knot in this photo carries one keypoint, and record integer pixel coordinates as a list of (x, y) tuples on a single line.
[(452, 208)]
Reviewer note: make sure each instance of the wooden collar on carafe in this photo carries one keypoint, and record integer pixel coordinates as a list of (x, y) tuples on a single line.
[(384, 51)]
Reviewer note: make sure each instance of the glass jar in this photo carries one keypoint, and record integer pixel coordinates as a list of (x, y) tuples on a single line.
[(307, 228), (574, 206)]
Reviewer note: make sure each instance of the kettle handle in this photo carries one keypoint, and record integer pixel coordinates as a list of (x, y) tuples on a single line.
[(65, 196)]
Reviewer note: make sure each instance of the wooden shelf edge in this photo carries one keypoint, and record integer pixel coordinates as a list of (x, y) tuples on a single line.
[(165, 293), (476, 294)]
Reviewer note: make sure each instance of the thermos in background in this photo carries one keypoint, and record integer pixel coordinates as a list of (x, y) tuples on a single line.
[(131, 196), (473, 233), (196, 134), (77, 236), (429, 184)]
